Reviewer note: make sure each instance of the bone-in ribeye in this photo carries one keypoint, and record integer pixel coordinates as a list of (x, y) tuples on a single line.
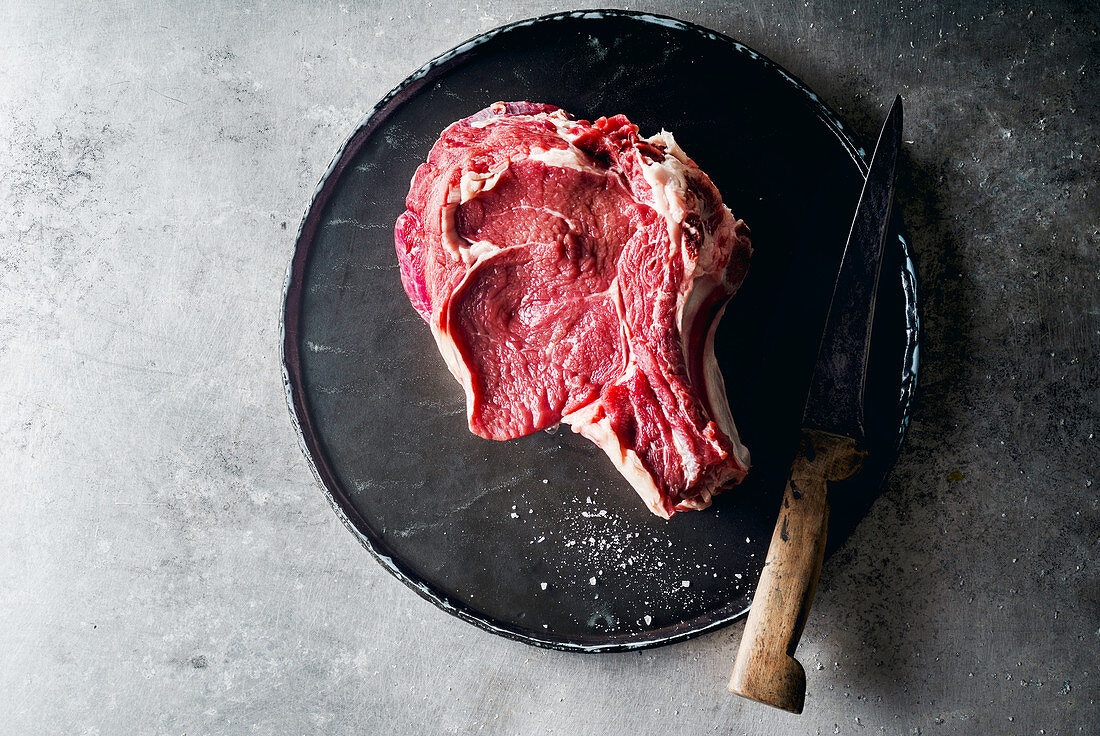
[(574, 272)]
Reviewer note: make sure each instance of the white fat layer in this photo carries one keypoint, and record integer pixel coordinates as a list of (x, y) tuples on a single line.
[(475, 182), (687, 455), (714, 386), (479, 251), (689, 307), (558, 118), (566, 158), (667, 180), (715, 389), (451, 240), (453, 359), (701, 501)]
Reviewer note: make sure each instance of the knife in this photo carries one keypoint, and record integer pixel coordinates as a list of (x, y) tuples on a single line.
[(830, 449)]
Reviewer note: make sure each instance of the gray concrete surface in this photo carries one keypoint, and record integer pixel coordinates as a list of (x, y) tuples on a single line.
[(167, 565)]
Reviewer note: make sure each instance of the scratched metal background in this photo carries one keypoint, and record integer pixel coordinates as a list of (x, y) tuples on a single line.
[(166, 562)]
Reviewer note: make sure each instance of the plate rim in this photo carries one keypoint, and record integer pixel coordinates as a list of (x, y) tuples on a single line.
[(293, 289)]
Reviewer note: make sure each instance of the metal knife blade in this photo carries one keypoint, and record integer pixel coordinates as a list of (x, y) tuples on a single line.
[(835, 400), (829, 451)]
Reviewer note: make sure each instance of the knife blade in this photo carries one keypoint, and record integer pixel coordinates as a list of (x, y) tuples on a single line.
[(830, 449)]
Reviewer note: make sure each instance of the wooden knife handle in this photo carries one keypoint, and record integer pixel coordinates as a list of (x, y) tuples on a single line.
[(766, 670)]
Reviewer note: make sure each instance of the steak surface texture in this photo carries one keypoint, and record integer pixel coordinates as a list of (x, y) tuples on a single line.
[(572, 271)]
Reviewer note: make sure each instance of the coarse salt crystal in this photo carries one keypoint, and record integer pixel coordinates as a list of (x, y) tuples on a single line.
[(591, 581), (542, 585), (648, 620), (685, 583)]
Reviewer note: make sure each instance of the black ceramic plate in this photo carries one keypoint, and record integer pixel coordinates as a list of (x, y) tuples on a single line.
[(539, 539)]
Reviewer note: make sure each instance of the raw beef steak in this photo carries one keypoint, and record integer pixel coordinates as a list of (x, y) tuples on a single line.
[(573, 272)]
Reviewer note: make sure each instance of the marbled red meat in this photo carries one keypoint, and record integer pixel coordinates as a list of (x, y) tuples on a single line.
[(574, 272)]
